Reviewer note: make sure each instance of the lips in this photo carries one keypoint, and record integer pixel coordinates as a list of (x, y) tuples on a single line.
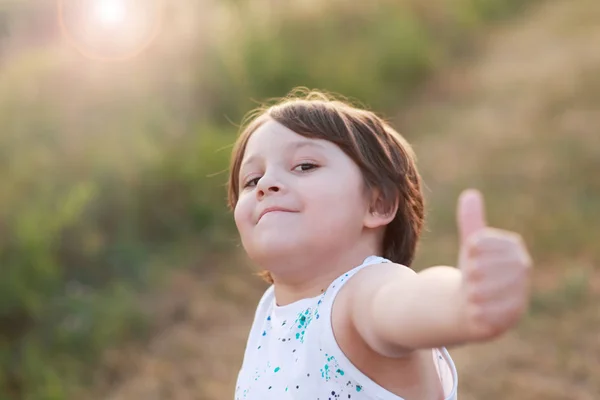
[(272, 209)]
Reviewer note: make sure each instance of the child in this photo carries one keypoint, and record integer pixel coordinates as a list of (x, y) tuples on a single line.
[(327, 199)]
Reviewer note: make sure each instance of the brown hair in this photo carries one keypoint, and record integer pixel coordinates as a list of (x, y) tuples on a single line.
[(385, 158)]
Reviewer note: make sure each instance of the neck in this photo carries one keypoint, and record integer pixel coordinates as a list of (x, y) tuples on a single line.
[(310, 274)]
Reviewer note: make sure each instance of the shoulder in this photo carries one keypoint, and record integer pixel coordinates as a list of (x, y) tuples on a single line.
[(267, 299), (268, 295), (354, 300), (369, 279), (265, 303), (256, 327), (363, 285)]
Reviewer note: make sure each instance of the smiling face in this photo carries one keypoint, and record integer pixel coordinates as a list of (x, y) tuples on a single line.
[(340, 181), (315, 190)]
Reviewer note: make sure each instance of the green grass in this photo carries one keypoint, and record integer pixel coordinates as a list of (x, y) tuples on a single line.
[(107, 172)]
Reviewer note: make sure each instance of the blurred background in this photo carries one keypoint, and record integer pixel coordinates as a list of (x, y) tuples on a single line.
[(121, 276)]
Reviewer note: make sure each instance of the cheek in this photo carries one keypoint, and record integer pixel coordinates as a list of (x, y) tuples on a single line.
[(337, 198), (242, 213)]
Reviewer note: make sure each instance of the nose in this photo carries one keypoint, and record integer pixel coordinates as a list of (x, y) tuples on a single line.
[(267, 185)]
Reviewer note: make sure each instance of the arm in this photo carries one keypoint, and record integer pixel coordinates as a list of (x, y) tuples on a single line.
[(396, 310)]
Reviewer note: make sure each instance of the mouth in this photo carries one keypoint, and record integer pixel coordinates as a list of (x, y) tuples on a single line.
[(270, 210)]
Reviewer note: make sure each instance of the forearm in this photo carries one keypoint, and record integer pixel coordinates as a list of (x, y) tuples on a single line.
[(426, 311)]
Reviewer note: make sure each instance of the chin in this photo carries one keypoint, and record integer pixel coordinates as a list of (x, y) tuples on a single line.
[(272, 250)]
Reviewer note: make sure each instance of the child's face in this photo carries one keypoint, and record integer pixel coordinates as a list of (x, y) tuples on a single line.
[(317, 189)]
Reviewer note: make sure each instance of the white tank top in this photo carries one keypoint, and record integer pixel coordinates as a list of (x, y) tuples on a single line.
[(292, 354)]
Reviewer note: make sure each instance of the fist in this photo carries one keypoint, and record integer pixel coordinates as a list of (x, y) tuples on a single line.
[(495, 267)]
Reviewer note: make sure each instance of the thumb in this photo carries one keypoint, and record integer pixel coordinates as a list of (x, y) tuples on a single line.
[(470, 213)]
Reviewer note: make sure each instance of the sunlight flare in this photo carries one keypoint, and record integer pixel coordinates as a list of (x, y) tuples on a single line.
[(109, 12)]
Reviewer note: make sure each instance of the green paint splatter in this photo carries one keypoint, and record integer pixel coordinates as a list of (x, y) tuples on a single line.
[(325, 372), (302, 321)]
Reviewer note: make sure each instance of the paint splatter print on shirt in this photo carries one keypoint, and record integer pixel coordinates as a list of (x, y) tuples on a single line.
[(292, 354)]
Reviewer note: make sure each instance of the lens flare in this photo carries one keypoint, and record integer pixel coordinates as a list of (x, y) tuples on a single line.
[(110, 30), (110, 12)]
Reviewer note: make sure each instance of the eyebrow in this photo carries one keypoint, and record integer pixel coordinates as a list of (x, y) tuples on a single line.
[(292, 146)]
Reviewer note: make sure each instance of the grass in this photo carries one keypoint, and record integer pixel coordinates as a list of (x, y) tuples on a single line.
[(525, 136), (134, 164)]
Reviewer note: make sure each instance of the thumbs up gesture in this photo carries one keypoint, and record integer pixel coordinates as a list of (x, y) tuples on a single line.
[(495, 267)]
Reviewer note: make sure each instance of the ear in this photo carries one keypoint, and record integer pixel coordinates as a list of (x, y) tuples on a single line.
[(378, 214)]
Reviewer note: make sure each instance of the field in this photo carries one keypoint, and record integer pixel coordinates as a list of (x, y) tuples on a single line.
[(121, 276)]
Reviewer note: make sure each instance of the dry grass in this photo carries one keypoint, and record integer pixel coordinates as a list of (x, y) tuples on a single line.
[(201, 321), (521, 122)]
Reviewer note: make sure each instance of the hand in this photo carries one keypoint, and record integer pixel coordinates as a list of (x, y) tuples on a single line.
[(495, 265)]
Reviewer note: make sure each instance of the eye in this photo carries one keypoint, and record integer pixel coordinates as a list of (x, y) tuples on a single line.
[(305, 167), (252, 182)]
